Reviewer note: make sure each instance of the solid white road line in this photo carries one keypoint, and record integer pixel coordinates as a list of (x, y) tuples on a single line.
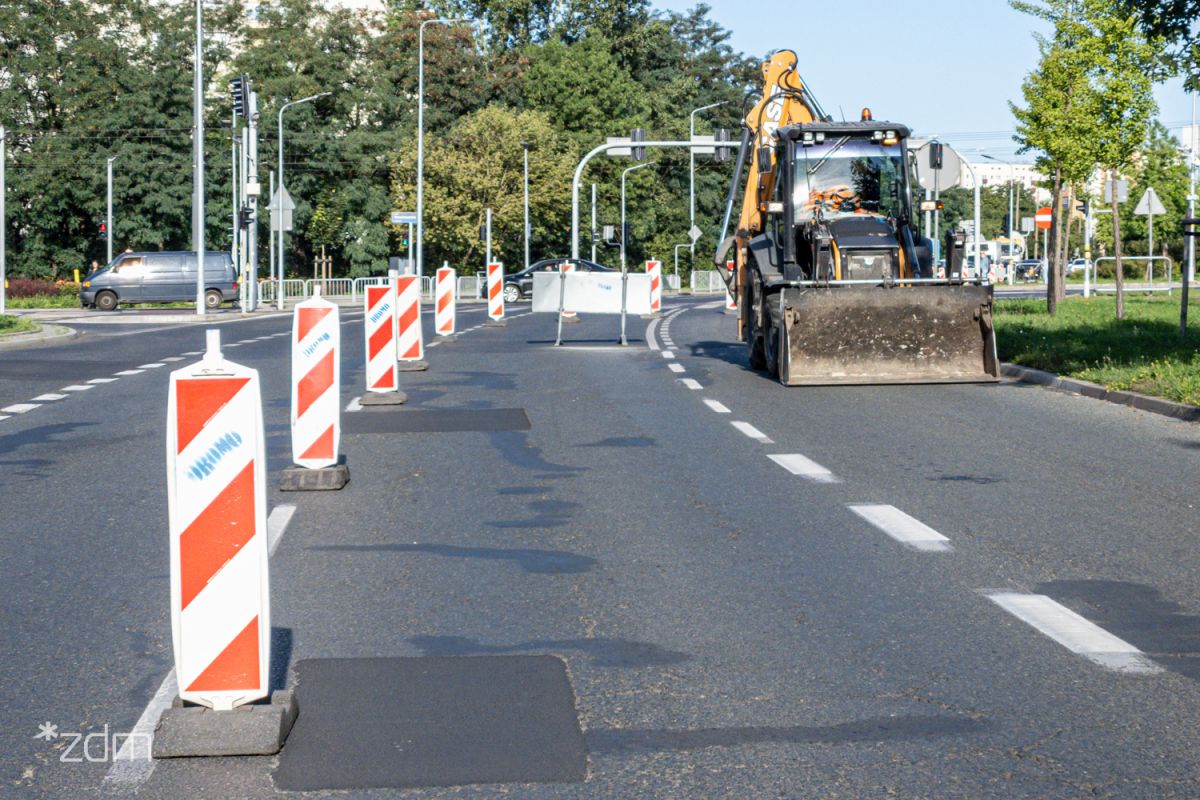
[(354, 405), (1074, 632), (49, 396), (77, 387), (752, 432), (694, 385), (667, 354), (194, 353), (804, 467), (132, 764), (901, 527), (153, 365), (676, 367), (277, 523), (102, 380), (717, 406), (129, 372), (20, 408)]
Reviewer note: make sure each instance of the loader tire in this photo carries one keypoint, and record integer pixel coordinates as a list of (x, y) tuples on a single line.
[(773, 351), (755, 348)]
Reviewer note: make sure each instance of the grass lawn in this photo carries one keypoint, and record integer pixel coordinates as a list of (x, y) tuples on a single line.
[(1143, 352), (10, 325)]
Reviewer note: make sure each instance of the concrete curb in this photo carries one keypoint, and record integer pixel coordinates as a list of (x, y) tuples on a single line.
[(1142, 402), (49, 334)]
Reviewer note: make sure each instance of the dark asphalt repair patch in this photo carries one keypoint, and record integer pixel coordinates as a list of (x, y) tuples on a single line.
[(450, 420), (391, 723)]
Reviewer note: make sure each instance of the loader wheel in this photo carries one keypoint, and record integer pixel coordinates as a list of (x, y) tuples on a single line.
[(773, 350), (782, 363), (755, 352)]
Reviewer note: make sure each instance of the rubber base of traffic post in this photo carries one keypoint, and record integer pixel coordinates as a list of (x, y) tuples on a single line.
[(255, 729), (324, 479), (496, 323), (731, 312), (412, 366), (447, 339), (656, 315), (383, 399)]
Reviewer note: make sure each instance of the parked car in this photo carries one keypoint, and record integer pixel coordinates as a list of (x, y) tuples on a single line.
[(1077, 265), (1030, 269), (160, 277), (520, 284)]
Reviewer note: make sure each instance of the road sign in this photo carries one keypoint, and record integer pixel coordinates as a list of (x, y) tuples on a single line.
[(620, 152), (947, 177), (1044, 218), (404, 218), (1149, 204), (704, 144), (1122, 191), (1027, 224), (695, 233), (288, 208)]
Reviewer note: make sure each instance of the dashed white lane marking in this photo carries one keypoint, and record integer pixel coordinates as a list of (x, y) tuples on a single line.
[(49, 396), (132, 764), (651, 334), (233, 344), (20, 408), (129, 372), (173, 358), (77, 387), (354, 405), (4, 416), (804, 467), (193, 353), (711, 305), (901, 527), (717, 406), (751, 431), (667, 354), (152, 365), (263, 338), (277, 523), (694, 385), (1074, 632), (676, 367), (102, 380)]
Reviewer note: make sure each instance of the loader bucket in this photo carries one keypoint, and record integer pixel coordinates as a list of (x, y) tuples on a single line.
[(888, 334)]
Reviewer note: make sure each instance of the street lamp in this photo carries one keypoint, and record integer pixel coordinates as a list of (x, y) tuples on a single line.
[(108, 228), (692, 166), (198, 158), (1012, 177), (623, 174), (677, 259), (421, 135), (282, 191), (525, 146)]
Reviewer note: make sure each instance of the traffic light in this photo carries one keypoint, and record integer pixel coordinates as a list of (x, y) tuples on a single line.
[(935, 156), (639, 135), (1190, 223), (627, 234), (721, 153), (1007, 224), (103, 233), (1084, 208), (610, 235), (483, 233), (237, 90), (404, 240), (245, 216)]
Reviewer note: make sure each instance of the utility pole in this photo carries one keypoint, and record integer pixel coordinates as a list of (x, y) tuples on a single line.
[(692, 171), (3, 222), (235, 223), (525, 146), (623, 237), (1191, 240), (108, 226), (271, 239), (593, 223), (488, 225), (198, 159), (252, 194)]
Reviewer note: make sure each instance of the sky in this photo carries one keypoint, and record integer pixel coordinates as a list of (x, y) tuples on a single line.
[(963, 64)]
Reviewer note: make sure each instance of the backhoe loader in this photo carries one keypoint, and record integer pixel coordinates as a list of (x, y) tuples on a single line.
[(834, 284)]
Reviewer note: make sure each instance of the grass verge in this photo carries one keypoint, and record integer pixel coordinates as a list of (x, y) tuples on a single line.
[(1143, 352), (11, 325)]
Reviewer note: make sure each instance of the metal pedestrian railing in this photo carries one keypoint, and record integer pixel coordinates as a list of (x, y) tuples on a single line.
[(707, 281)]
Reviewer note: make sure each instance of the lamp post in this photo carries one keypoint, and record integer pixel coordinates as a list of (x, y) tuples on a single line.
[(692, 167), (677, 258), (282, 190), (525, 146), (198, 157), (1012, 176), (623, 174), (108, 228), (421, 135)]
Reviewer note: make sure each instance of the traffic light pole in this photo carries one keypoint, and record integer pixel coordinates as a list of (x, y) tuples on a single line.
[(108, 228), (3, 222), (198, 158)]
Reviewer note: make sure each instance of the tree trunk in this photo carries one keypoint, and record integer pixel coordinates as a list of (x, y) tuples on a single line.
[(1063, 253), (1116, 212), (1052, 273)]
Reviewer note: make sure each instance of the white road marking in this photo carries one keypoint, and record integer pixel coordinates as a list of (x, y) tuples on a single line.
[(152, 365), (804, 467), (4, 416), (667, 354), (694, 385), (173, 358), (717, 406), (77, 387), (45, 398), (194, 353), (651, 331), (132, 764), (277, 523), (261, 338), (354, 405), (102, 380), (129, 372), (901, 527), (676, 367), (1074, 632), (232, 344), (752, 432)]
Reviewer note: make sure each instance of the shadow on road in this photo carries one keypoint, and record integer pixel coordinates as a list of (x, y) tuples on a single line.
[(603, 652), (540, 562)]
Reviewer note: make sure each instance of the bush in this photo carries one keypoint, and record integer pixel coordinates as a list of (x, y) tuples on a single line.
[(19, 288)]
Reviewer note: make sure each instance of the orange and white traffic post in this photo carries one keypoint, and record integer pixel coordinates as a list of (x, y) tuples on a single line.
[(495, 292), (445, 282), (217, 513), (316, 383), (410, 342), (654, 270), (568, 316), (730, 302), (379, 322)]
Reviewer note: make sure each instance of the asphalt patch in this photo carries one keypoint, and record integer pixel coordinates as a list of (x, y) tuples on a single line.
[(454, 420), (390, 723)]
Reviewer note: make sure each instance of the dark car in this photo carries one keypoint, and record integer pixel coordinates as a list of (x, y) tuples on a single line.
[(520, 284), (1029, 269), (160, 277)]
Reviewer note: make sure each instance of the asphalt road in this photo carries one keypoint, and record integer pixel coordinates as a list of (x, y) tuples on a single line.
[(731, 624)]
